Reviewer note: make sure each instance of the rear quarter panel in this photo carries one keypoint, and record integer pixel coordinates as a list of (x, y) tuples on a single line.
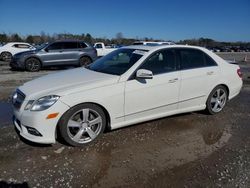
[(234, 82), (229, 75)]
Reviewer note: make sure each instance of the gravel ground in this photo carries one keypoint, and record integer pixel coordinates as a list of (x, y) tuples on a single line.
[(187, 150)]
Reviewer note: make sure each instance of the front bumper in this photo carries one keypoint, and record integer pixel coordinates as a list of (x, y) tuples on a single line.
[(30, 123), (17, 63)]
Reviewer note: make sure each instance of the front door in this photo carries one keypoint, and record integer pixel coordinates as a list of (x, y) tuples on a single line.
[(146, 98)]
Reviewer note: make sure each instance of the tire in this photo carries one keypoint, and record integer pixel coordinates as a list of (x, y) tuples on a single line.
[(82, 124), (32, 65), (217, 100), (84, 61), (6, 56)]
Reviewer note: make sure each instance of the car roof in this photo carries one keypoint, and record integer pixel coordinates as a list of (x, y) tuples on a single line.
[(69, 40), (9, 43), (154, 48)]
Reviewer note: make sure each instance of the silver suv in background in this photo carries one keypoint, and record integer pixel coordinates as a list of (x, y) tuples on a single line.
[(77, 53)]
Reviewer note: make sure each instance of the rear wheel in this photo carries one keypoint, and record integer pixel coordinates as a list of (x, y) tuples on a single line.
[(82, 124), (32, 65), (84, 61), (217, 100), (6, 56)]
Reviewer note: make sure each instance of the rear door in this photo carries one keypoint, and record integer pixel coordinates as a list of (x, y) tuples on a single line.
[(70, 52), (197, 77)]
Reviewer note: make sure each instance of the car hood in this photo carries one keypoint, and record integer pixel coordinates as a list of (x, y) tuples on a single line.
[(66, 82), (26, 52)]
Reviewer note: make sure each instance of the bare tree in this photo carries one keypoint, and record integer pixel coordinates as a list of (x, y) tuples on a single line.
[(119, 37)]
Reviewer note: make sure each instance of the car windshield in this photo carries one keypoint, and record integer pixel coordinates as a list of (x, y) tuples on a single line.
[(41, 46), (117, 62)]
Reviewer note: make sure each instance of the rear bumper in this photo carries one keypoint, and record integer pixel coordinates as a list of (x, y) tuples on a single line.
[(234, 91)]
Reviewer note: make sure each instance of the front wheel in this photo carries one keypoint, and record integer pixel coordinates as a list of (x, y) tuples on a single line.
[(217, 100), (82, 124), (32, 65)]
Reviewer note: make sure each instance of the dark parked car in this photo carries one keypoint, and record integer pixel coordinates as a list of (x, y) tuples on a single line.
[(77, 53)]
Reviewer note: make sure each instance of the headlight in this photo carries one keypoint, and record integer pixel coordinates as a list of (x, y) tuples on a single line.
[(42, 103)]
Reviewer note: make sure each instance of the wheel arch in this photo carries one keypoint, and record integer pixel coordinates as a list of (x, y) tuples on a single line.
[(108, 119), (35, 57), (227, 88), (222, 84), (1, 54), (7, 52), (85, 55)]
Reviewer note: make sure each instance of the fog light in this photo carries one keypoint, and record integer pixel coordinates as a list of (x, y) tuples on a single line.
[(33, 131)]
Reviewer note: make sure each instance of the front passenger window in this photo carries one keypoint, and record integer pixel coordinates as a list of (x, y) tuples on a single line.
[(55, 46), (161, 62)]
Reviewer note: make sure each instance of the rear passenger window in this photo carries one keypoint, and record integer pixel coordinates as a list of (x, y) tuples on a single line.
[(209, 61), (161, 62), (191, 58), (21, 46)]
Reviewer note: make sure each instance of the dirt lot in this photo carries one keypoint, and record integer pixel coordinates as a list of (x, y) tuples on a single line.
[(188, 150)]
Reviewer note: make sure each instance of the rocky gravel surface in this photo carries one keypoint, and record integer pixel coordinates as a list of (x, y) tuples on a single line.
[(187, 150)]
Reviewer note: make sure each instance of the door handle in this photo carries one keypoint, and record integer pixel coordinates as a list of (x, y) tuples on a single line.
[(173, 80), (210, 73)]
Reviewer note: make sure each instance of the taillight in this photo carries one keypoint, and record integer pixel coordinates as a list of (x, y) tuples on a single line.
[(239, 73)]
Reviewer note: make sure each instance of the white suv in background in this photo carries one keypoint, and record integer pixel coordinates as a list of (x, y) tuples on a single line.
[(12, 48)]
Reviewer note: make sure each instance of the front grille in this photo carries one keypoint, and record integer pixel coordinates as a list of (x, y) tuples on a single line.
[(17, 99)]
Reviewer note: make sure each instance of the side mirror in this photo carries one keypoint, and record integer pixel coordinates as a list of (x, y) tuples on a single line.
[(46, 50), (144, 74)]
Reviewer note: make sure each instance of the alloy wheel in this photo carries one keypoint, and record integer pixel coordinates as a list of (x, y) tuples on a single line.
[(84, 126), (6, 56), (218, 100), (32, 65)]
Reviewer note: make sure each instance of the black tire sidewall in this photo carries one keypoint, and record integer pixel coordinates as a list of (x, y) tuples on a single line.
[(5, 52), (208, 103), (83, 65), (62, 125), (34, 59)]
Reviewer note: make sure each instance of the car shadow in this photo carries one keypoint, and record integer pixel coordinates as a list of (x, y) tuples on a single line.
[(51, 68), (4, 184)]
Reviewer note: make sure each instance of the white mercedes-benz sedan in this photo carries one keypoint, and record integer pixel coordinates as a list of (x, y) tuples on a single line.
[(130, 85)]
